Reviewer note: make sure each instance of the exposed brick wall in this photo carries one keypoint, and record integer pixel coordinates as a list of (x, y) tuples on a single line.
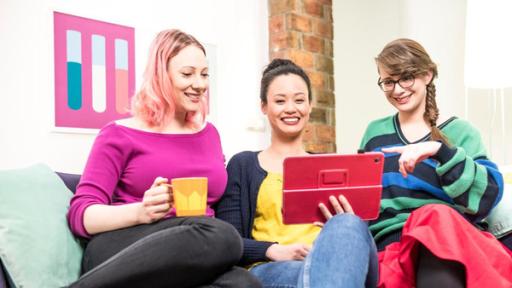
[(301, 30)]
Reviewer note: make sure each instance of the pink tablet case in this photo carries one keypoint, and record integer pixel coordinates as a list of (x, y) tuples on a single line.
[(309, 180)]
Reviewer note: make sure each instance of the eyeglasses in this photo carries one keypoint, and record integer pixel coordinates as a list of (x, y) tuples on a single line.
[(388, 85)]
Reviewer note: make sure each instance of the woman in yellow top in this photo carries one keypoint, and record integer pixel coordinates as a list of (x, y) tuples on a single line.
[(342, 253)]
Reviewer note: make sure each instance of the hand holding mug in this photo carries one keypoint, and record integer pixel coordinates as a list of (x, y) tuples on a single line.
[(157, 201)]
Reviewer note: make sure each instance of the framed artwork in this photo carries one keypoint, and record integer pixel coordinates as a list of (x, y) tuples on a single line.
[(94, 72)]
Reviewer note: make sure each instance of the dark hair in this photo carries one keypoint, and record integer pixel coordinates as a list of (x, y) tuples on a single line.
[(279, 67), (406, 56)]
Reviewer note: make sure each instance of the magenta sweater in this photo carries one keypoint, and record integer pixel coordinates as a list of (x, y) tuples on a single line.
[(124, 162)]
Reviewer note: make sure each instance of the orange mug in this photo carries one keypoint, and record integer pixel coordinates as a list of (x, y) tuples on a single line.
[(190, 195)]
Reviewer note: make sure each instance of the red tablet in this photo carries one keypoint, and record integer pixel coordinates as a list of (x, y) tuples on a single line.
[(310, 180)]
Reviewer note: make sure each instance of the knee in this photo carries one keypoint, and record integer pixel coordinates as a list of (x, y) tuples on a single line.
[(228, 236), (346, 221), (224, 237), (343, 225)]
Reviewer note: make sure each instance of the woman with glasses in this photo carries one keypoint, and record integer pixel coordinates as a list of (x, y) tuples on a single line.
[(437, 182)]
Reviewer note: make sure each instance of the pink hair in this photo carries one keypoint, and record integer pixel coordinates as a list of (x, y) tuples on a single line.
[(154, 102)]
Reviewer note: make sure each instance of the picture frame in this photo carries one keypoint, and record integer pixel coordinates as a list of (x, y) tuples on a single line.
[(94, 72)]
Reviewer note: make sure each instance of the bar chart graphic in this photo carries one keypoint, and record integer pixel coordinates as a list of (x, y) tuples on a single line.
[(94, 71)]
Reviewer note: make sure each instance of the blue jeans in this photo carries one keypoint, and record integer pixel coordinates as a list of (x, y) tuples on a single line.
[(343, 255)]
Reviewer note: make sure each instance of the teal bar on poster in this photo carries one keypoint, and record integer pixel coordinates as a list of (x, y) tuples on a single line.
[(74, 85), (74, 67)]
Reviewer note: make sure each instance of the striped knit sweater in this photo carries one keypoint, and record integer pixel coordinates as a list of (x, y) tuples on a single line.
[(459, 175)]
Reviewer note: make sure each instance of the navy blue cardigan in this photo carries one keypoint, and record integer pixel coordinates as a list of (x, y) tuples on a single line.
[(238, 204)]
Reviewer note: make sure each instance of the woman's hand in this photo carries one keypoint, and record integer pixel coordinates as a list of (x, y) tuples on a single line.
[(413, 154), (278, 252), (157, 201), (340, 205)]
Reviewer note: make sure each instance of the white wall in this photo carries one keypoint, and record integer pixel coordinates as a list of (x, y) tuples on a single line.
[(238, 29), (361, 29), (440, 27), (488, 77), (493, 118)]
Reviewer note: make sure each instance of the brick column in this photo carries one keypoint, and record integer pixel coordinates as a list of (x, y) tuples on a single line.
[(301, 30)]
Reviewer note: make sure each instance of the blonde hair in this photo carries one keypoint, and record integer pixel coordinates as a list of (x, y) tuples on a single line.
[(155, 103), (406, 56)]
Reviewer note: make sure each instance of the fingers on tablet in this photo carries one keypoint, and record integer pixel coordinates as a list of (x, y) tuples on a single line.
[(336, 205), (346, 205), (327, 214), (318, 223)]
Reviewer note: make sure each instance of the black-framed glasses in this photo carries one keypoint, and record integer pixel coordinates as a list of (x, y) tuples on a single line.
[(405, 82)]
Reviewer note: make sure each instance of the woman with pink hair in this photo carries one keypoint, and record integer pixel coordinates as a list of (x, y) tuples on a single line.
[(122, 205)]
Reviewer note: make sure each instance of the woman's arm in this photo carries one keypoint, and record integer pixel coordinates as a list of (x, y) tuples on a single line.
[(154, 206), (230, 209), (474, 184), (91, 210), (101, 218), (466, 175)]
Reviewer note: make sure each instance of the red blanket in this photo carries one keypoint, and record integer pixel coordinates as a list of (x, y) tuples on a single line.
[(448, 236)]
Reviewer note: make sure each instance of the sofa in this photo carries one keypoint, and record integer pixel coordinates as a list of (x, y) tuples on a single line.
[(65, 183)]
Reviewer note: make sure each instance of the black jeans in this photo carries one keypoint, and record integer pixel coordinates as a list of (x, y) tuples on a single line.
[(175, 252), (433, 271)]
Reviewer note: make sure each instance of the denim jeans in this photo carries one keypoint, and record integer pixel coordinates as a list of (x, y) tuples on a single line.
[(343, 255)]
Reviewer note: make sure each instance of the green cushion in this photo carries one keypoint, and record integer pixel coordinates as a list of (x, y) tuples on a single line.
[(36, 246)]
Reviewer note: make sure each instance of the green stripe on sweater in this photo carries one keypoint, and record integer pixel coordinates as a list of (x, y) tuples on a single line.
[(389, 225), (461, 133), (477, 190), (378, 127), (459, 156), (400, 203), (459, 186)]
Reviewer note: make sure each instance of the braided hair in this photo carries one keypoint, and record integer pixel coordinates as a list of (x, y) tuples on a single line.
[(406, 56)]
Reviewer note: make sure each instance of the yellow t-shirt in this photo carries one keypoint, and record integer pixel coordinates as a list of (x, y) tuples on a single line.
[(268, 220)]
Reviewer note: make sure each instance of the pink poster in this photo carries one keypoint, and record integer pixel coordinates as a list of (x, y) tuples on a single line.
[(94, 71)]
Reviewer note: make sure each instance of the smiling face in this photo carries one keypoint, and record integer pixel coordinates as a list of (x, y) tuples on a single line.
[(287, 106), (189, 77), (409, 100)]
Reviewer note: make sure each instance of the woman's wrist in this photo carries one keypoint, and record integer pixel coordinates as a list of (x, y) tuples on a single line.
[(444, 153), (270, 251), (140, 214)]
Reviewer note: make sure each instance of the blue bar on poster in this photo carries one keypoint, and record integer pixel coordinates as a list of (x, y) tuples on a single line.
[(74, 68)]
